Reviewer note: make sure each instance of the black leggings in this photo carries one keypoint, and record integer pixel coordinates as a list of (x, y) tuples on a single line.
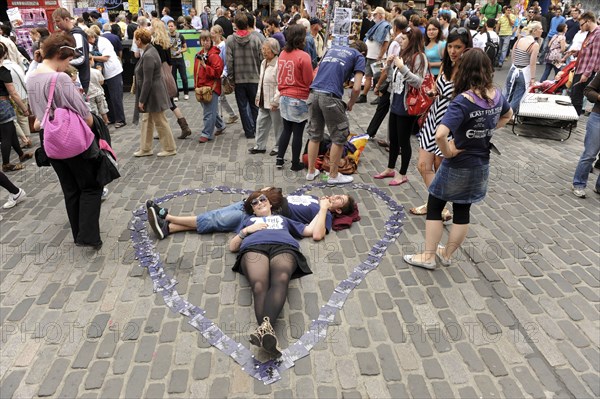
[(399, 130), (297, 130), (269, 280), (8, 132), (7, 184), (435, 206)]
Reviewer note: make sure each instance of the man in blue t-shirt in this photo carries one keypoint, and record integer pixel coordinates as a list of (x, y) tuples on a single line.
[(326, 107)]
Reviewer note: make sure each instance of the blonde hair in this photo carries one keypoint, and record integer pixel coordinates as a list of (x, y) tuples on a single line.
[(217, 29), (95, 29), (71, 71), (532, 26), (159, 34)]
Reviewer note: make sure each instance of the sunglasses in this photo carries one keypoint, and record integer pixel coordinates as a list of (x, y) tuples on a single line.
[(460, 31), (258, 200)]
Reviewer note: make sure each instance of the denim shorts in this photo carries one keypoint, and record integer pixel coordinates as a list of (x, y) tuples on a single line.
[(293, 109), (222, 220), (460, 185)]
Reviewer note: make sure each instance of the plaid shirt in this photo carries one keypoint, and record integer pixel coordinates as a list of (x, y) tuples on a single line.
[(588, 59)]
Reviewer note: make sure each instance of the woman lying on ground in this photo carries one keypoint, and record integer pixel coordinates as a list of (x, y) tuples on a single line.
[(269, 256)]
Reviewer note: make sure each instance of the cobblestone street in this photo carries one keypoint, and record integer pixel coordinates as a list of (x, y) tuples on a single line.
[(517, 314)]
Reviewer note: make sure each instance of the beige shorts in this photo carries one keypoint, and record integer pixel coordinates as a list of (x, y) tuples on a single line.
[(98, 105)]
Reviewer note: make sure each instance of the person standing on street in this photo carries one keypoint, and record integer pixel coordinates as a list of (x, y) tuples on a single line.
[(64, 21), (243, 66), (505, 31), (588, 59), (377, 41), (591, 143), (178, 47), (326, 107)]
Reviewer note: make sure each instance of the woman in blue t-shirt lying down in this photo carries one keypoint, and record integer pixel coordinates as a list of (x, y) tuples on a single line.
[(269, 256), (477, 109)]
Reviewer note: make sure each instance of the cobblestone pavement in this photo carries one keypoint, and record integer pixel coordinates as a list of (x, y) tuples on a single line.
[(516, 315)]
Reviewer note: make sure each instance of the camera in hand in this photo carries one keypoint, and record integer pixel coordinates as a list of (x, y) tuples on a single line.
[(202, 57)]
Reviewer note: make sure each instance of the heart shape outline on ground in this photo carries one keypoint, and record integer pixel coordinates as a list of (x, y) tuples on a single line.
[(269, 371)]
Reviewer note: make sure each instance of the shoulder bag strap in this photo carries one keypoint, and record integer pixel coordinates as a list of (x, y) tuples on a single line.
[(50, 98)]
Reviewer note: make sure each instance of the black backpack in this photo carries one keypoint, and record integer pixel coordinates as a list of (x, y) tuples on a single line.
[(491, 48)]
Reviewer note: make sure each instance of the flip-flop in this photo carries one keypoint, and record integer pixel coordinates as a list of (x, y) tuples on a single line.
[(419, 210)]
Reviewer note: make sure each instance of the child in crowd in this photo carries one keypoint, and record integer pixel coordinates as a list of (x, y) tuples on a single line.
[(96, 97)]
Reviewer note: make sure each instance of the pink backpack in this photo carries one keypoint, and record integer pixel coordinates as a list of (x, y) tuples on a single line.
[(66, 134)]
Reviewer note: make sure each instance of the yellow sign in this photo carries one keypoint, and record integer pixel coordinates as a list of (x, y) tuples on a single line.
[(134, 6)]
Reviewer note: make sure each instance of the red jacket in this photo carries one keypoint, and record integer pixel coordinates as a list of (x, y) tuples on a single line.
[(210, 73)]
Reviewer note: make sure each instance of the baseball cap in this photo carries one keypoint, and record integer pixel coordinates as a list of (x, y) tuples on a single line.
[(378, 10)]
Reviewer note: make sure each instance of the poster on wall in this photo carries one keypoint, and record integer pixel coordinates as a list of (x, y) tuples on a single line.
[(342, 21), (192, 40)]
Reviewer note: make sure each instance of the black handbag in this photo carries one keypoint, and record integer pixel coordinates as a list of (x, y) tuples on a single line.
[(107, 169), (41, 159)]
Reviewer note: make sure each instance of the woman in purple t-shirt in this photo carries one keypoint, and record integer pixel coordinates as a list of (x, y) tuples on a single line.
[(269, 256), (477, 109)]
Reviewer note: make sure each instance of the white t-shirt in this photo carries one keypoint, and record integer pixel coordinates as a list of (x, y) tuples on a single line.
[(95, 88), (480, 39), (374, 48), (113, 66), (578, 40)]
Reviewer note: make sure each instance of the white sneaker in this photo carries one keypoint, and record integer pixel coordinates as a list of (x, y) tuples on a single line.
[(186, 97), (312, 176), (104, 194), (340, 179), (579, 192), (175, 99), (14, 199)]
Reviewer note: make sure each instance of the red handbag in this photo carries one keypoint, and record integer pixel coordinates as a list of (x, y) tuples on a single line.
[(417, 100)]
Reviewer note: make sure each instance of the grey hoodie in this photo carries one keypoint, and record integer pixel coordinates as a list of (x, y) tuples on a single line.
[(244, 57)]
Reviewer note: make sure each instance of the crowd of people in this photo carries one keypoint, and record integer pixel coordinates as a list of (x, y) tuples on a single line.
[(285, 77)]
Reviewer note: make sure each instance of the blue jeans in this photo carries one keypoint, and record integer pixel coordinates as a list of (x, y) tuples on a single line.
[(514, 94), (211, 117), (223, 220), (591, 148), (245, 96), (504, 43), (549, 68)]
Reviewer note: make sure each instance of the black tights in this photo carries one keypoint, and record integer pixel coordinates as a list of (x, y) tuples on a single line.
[(291, 128), (8, 132), (399, 130), (7, 184), (269, 281), (435, 206)]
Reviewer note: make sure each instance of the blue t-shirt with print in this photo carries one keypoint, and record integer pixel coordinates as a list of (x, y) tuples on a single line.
[(280, 230), (304, 208), (472, 125), (337, 66)]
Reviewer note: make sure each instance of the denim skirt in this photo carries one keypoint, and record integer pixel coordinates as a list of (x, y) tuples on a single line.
[(460, 185), (293, 109)]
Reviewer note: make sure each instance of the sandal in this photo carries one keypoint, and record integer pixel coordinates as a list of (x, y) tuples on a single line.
[(25, 156), (419, 210), (9, 167), (27, 143)]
